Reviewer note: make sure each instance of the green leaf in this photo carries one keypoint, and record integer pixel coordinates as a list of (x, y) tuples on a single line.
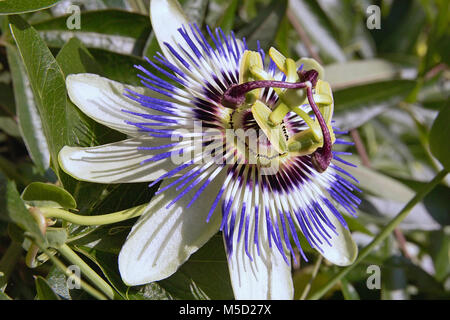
[(204, 276), (29, 121), (356, 105), (40, 194), (440, 136), (47, 83), (265, 26), (63, 123), (12, 208), (119, 67), (22, 6), (75, 58), (43, 290), (359, 72), (115, 30), (124, 196), (57, 280), (56, 237)]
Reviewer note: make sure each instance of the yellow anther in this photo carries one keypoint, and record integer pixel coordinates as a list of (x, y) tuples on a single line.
[(311, 64), (278, 58), (249, 60), (324, 100), (274, 133)]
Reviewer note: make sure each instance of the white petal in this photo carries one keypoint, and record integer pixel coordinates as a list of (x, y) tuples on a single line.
[(117, 162), (344, 250), (163, 239), (268, 276), (166, 17), (103, 100)]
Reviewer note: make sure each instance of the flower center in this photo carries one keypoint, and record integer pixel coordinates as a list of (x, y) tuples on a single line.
[(251, 114), (252, 141)]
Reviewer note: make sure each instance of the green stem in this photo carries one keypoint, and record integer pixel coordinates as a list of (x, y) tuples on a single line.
[(93, 220), (87, 271), (313, 276), (86, 287), (383, 234)]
